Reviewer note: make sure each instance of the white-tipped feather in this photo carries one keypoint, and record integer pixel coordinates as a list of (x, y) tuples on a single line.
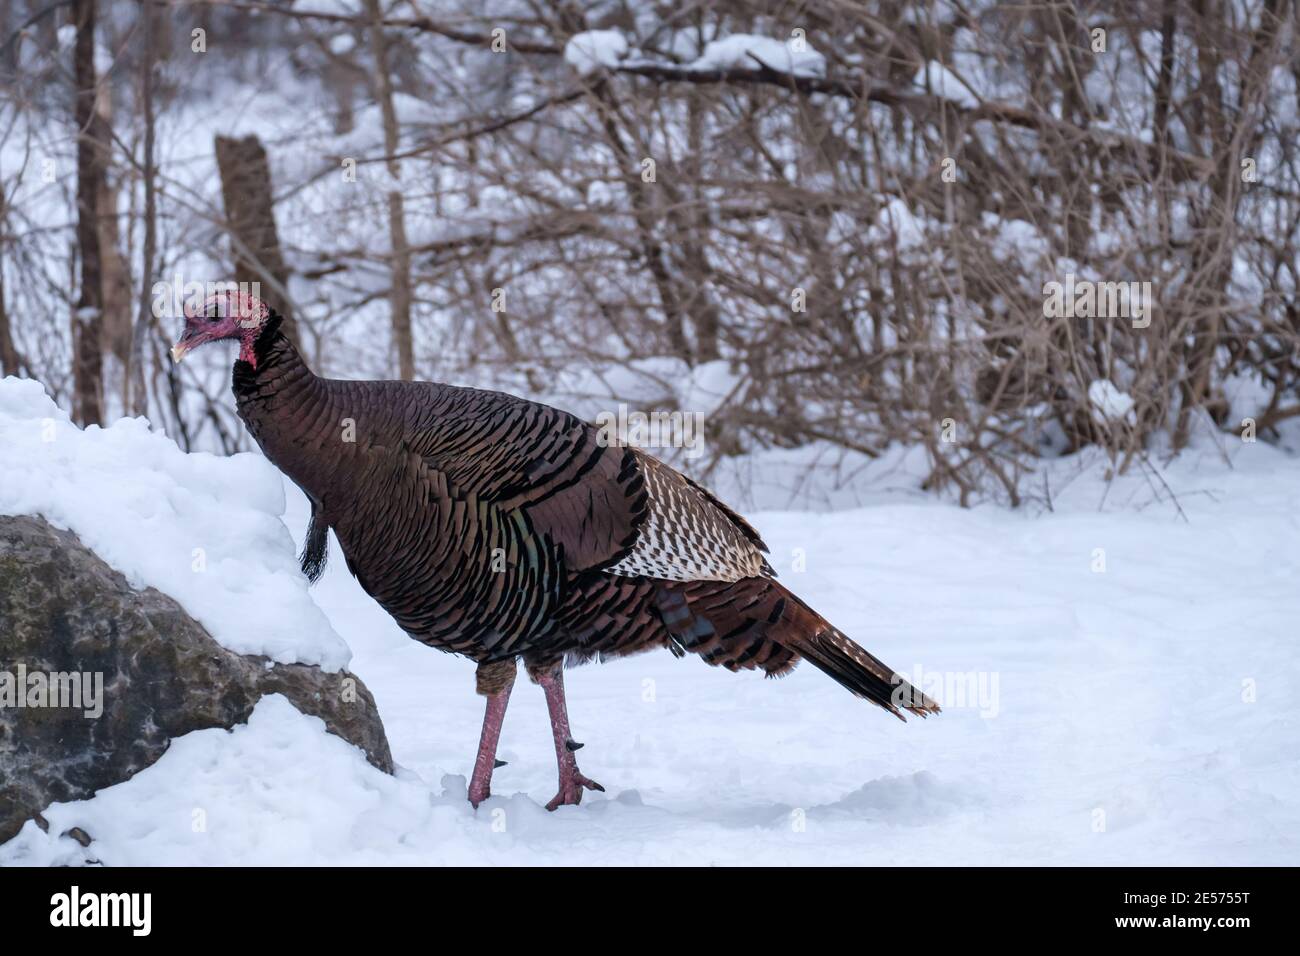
[(686, 537)]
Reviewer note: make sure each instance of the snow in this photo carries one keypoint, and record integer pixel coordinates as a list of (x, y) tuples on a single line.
[(897, 221), (739, 52), (334, 7), (1016, 240), (201, 528), (1109, 403), (936, 78), (601, 194), (1119, 684), (590, 51)]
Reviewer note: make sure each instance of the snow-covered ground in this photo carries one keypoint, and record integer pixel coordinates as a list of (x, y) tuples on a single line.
[(1120, 685)]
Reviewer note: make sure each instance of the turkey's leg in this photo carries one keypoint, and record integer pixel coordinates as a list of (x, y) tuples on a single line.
[(572, 782), (493, 681)]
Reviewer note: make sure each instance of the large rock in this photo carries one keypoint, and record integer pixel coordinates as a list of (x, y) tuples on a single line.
[(64, 611)]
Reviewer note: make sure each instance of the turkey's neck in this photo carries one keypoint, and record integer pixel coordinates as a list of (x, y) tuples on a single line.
[(286, 407)]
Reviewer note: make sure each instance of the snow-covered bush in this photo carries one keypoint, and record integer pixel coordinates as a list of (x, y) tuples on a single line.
[(859, 211)]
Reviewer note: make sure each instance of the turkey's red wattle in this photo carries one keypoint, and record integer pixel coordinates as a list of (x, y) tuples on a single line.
[(247, 346)]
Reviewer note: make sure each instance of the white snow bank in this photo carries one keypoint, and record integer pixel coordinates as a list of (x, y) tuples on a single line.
[(590, 51), (936, 78), (739, 52), (195, 807), (202, 529)]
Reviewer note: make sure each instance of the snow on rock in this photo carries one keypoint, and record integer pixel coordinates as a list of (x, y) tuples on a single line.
[(590, 51), (150, 818), (936, 78), (741, 50), (1109, 404), (202, 529)]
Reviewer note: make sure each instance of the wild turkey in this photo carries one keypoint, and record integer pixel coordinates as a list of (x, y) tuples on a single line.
[(502, 529)]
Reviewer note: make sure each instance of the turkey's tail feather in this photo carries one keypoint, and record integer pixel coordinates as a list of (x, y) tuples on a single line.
[(752, 624), (833, 653)]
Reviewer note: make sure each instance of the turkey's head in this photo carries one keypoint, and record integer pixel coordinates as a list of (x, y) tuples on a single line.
[(231, 314)]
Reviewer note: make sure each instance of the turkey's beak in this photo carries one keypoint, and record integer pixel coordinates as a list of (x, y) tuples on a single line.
[(189, 338)]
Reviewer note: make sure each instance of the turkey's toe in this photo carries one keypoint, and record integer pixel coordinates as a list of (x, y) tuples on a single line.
[(571, 791)]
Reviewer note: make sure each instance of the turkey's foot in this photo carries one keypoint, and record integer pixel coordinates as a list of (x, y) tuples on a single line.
[(493, 682), (572, 782), (480, 785), (571, 787)]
